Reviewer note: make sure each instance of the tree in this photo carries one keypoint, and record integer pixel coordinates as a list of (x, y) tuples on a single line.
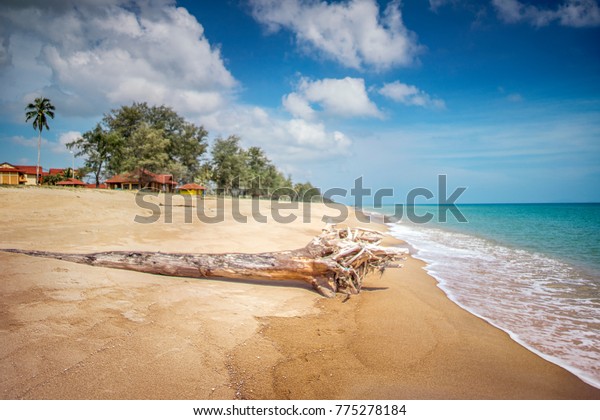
[(306, 192), (228, 164), (145, 151), (55, 178), (338, 260), (186, 147), (258, 171), (38, 110), (276, 183), (186, 141), (98, 146)]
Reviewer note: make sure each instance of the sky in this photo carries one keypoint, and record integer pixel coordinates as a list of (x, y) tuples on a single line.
[(502, 96)]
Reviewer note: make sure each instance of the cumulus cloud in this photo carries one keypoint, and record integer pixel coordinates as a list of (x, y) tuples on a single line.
[(59, 146), (297, 105), (574, 13), (94, 55), (287, 141), (91, 56), (341, 97), (63, 139), (410, 95), (354, 32)]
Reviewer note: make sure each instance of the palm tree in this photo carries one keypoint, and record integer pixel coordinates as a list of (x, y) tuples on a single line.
[(38, 110)]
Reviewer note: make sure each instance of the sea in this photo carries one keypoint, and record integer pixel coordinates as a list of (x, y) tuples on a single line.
[(532, 270)]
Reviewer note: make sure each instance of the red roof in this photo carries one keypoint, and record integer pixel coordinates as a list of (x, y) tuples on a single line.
[(164, 179), (56, 171), (121, 178), (28, 169), (71, 181), (192, 186), (24, 169), (134, 178)]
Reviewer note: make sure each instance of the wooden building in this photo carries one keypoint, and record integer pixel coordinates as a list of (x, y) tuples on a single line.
[(142, 179), (19, 174), (192, 189), (71, 182)]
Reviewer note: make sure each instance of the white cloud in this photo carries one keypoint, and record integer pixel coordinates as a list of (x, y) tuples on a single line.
[(575, 13), (287, 141), (410, 95), (354, 32), (92, 56), (341, 97), (63, 139), (59, 146), (298, 106), (314, 136), (89, 57), (434, 5), (580, 13), (28, 141)]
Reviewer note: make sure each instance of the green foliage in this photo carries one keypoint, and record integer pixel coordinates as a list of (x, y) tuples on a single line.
[(39, 110), (99, 147), (54, 178), (306, 192), (251, 171), (228, 164), (141, 138), (259, 171), (146, 150), (63, 176), (186, 142)]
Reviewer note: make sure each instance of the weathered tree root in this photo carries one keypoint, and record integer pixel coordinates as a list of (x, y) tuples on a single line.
[(335, 261)]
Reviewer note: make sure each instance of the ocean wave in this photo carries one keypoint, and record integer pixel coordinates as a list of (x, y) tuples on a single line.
[(547, 305)]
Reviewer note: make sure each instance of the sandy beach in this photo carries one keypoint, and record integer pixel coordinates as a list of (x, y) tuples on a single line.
[(70, 331)]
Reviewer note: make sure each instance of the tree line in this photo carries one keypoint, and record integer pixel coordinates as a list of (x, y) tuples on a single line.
[(141, 138)]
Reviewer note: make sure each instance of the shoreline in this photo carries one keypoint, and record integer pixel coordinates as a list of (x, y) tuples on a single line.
[(71, 331), (519, 336), (514, 336), (441, 283), (448, 366)]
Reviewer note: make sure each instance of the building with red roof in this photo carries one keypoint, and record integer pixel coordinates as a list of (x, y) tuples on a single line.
[(71, 182), (102, 186), (192, 189), (19, 174), (142, 179)]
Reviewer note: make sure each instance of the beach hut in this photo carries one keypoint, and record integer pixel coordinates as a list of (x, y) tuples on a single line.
[(142, 179), (71, 182), (192, 189)]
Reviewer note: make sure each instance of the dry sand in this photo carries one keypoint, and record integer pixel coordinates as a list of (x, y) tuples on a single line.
[(69, 331)]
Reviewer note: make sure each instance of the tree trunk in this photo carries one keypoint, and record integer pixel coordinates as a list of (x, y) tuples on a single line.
[(37, 168), (335, 261)]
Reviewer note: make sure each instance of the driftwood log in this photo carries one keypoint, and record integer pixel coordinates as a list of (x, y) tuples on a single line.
[(335, 261)]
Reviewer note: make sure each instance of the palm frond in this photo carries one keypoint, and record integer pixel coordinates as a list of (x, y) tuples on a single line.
[(38, 110)]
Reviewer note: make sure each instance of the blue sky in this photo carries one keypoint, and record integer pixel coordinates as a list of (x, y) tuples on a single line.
[(503, 96)]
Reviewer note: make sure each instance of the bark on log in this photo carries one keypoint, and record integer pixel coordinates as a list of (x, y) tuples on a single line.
[(335, 261)]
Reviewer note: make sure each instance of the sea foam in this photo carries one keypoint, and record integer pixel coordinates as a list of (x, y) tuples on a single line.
[(549, 306)]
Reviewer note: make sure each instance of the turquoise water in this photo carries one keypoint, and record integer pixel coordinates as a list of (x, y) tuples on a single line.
[(531, 269)]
